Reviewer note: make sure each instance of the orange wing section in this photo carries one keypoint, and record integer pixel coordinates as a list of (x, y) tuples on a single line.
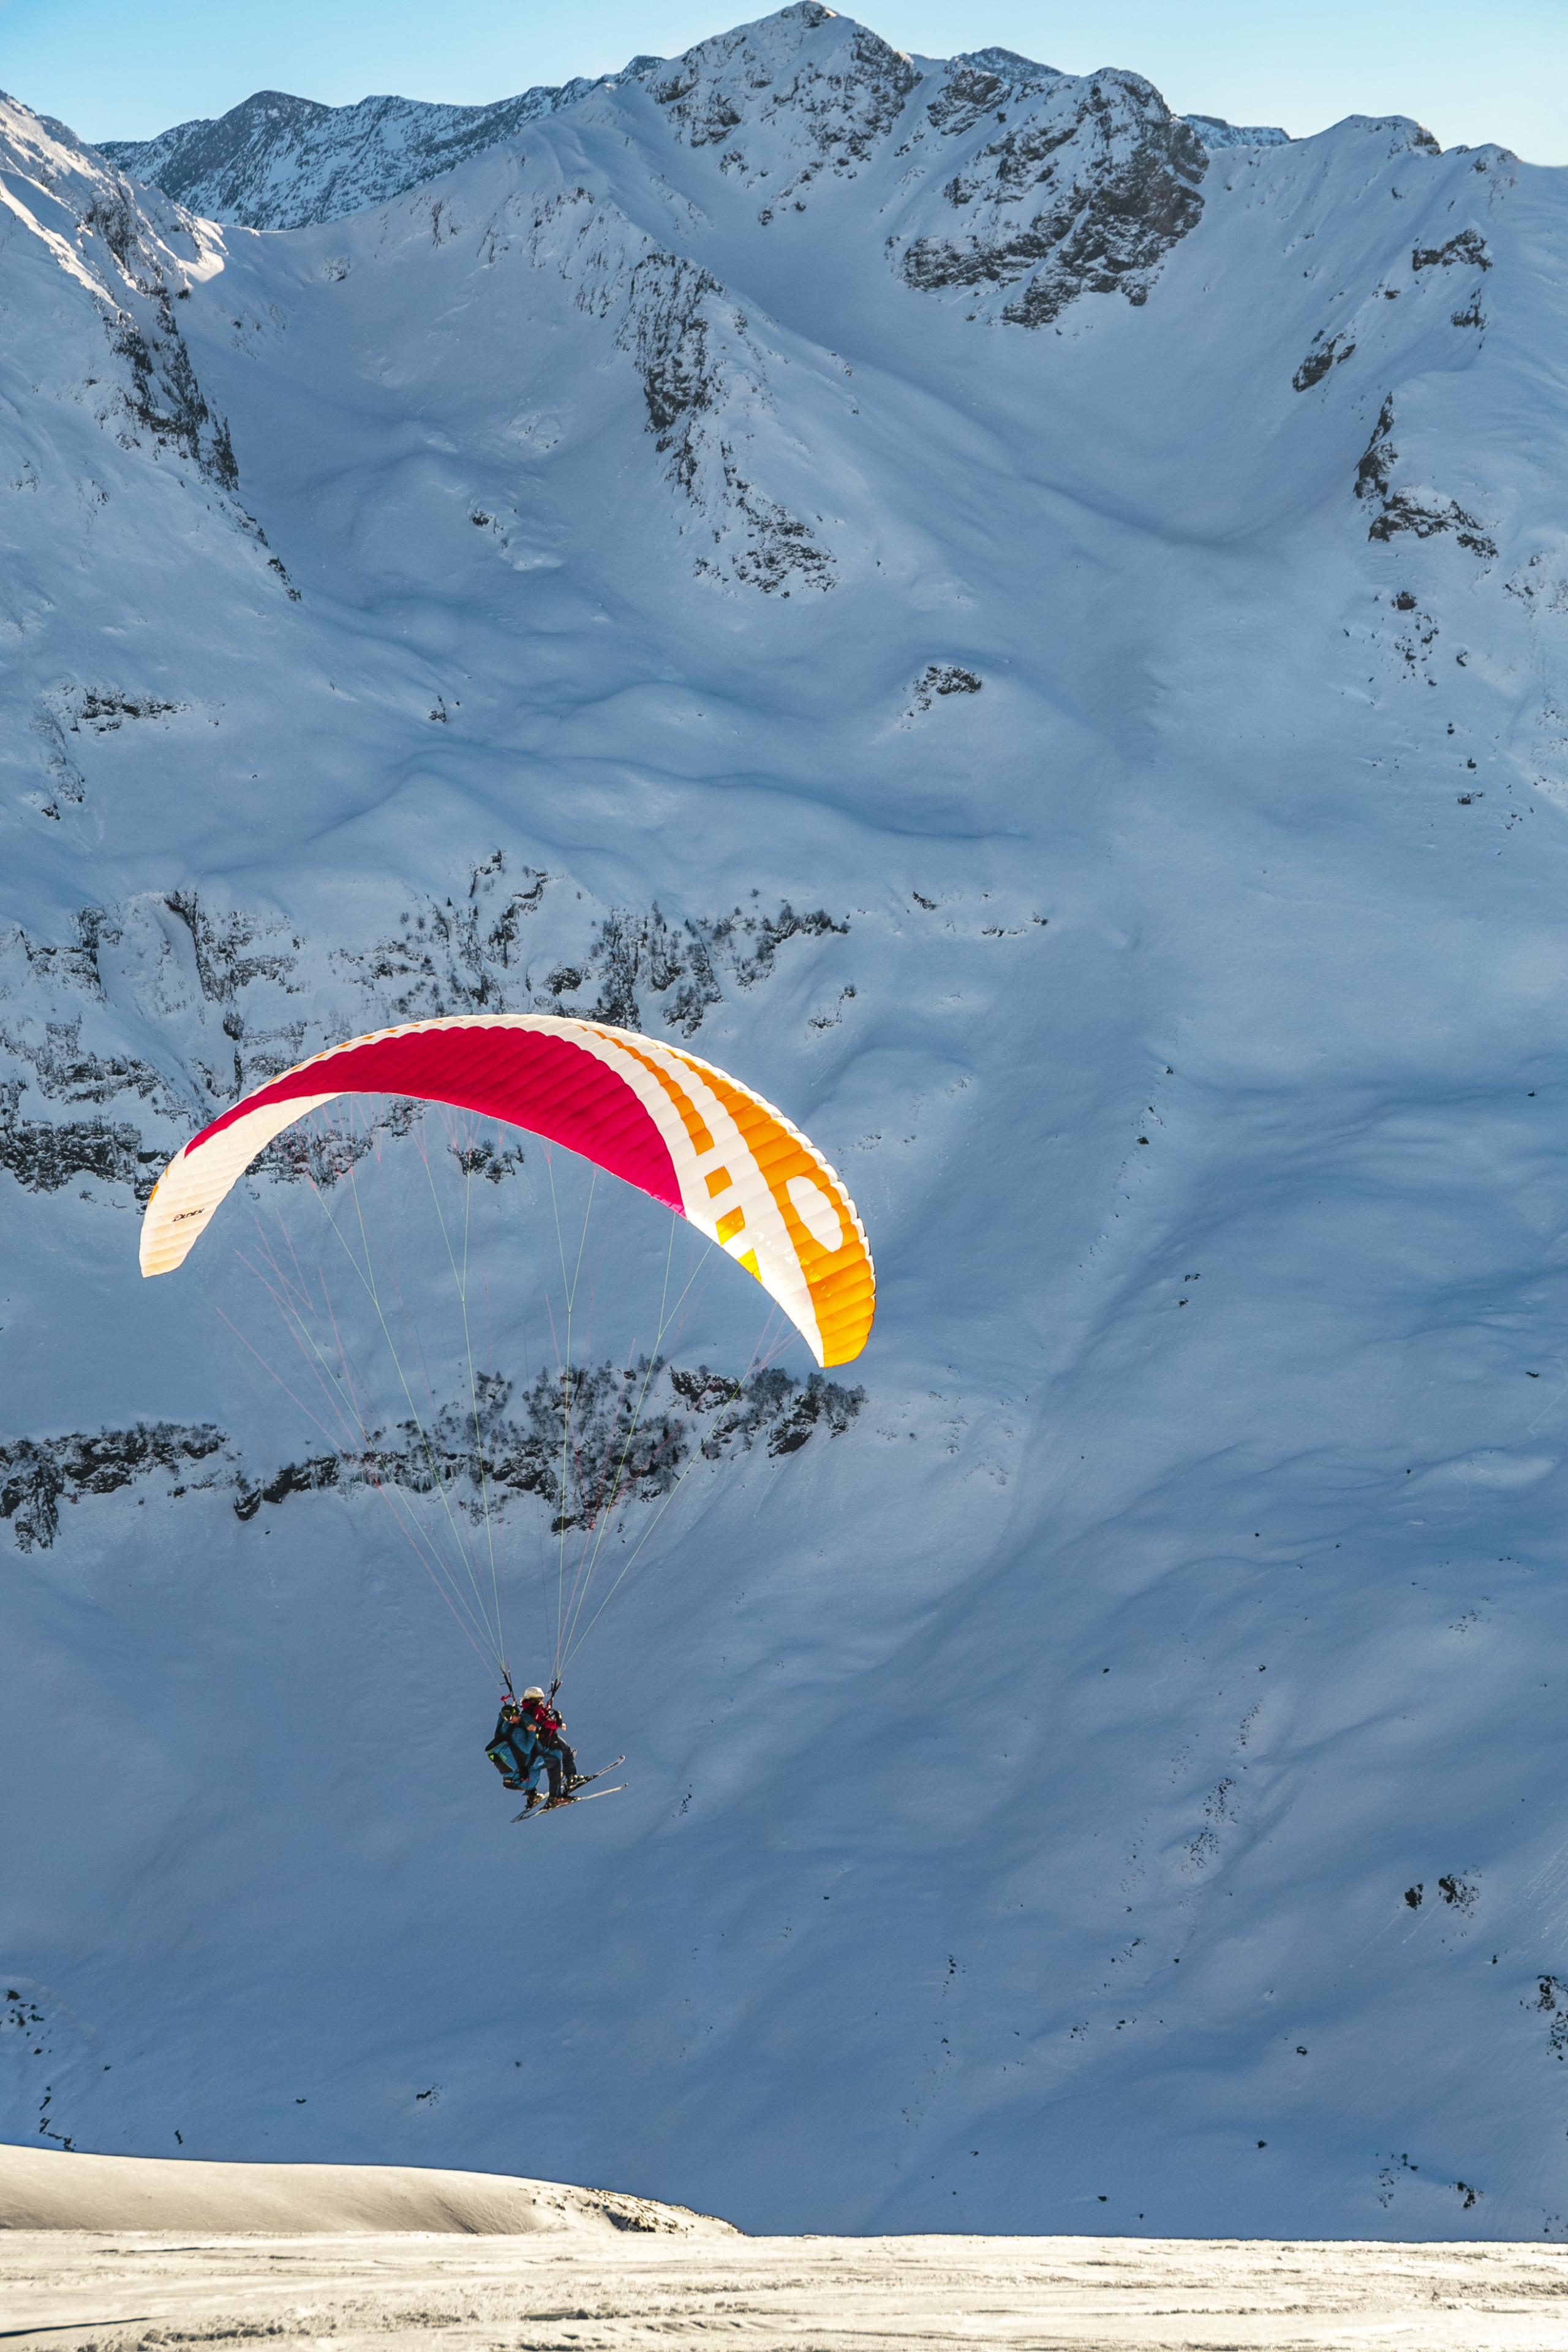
[(807, 1193)]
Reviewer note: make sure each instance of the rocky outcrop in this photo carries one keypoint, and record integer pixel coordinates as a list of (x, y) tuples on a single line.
[(1468, 249), (820, 82), (1083, 189), (586, 1441), (277, 161), (706, 375), (983, 82), (1421, 512), (705, 384), (38, 1475), (633, 966), (1328, 352)]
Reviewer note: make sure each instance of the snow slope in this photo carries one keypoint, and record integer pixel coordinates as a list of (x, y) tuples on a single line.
[(1039, 646), (44, 2189)]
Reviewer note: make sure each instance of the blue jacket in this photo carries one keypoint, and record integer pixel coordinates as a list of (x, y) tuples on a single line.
[(519, 1738)]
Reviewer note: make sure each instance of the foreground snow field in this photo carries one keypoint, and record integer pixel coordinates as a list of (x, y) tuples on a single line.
[(44, 2189), (660, 2275), (1039, 640)]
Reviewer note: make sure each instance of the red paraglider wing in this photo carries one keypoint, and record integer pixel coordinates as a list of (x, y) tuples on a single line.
[(711, 1149), (532, 1077)]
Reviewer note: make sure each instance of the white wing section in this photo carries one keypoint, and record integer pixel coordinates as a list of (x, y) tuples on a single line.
[(193, 1184)]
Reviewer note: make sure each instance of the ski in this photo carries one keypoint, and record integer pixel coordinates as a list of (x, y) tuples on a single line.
[(587, 1782), (618, 1791)]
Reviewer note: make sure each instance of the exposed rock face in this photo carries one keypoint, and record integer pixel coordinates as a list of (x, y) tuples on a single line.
[(936, 683), (1085, 191), (771, 99), (982, 82), (1326, 353), (1467, 248), (281, 161), (702, 371), (278, 162), (1422, 512), (706, 383), (38, 1475), (586, 1441)]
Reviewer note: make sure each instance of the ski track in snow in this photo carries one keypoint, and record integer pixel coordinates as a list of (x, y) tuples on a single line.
[(1077, 718)]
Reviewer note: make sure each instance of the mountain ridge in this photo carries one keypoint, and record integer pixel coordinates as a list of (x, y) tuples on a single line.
[(279, 162)]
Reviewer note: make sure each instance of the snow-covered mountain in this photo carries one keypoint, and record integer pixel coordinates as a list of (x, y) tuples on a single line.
[(1036, 639), (276, 162)]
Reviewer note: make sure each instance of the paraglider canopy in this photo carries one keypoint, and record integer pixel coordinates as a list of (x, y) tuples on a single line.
[(707, 1147)]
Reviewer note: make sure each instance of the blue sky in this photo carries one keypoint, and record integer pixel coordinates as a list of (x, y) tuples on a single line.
[(1471, 71)]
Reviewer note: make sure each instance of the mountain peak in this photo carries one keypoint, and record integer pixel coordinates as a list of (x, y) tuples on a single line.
[(801, 70)]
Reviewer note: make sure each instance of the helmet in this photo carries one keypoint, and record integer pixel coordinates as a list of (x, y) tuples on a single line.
[(511, 1705), (534, 1691)]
